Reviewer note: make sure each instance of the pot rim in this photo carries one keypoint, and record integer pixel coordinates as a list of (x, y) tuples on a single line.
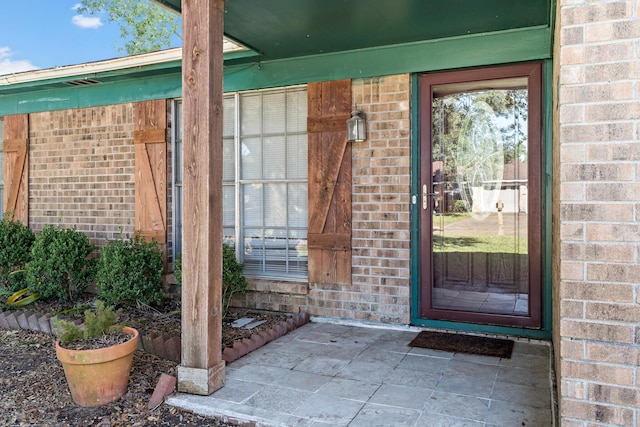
[(97, 355)]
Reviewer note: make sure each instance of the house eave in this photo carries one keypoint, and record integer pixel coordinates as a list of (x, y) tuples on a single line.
[(99, 68)]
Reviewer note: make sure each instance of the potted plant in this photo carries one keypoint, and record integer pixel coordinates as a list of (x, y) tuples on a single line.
[(97, 356)]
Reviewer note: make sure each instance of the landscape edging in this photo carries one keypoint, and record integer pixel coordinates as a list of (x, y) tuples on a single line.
[(164, 346)]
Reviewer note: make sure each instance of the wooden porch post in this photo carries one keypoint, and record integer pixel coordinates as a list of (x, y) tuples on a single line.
[(202, 368)]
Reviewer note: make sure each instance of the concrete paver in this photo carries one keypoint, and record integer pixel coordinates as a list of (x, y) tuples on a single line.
[(325, 374)]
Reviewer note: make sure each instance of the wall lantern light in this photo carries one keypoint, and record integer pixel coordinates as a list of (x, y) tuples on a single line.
[(356, 127)]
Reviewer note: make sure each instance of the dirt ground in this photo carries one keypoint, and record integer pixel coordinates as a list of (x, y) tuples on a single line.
[(34, 392)]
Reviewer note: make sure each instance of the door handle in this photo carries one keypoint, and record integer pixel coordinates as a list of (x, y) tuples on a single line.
[(425, 195)]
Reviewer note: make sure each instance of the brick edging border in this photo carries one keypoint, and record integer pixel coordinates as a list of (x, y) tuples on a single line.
[(164, 346)]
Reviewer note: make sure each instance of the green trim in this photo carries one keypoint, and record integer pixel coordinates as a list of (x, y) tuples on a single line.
[(442, 54), (415, 192), (164, 80), (547, 300), (118, 92), (552, 24), (488, 329), (241, 56)]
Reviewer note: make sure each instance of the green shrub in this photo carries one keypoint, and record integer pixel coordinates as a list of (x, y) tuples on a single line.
[(97, 323), (233, 280), (177, 269), (460, 206), (60, 267), (130, 271), (16, 241)]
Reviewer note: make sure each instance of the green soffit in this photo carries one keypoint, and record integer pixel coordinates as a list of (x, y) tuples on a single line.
[(301, 41)]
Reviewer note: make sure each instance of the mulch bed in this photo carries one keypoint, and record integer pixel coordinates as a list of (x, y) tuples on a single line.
[(33, 389), (34, 392), (459, 343)]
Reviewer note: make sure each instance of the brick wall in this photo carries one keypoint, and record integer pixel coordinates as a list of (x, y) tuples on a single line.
[(381, 175), (82, 170), (598, 294), (380, 288), (82, 175)]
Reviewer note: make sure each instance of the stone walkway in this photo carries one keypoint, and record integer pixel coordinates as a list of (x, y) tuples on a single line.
[(326, 374)]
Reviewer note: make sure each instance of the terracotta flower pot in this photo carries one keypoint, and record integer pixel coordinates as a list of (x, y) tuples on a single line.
[(97, 377)]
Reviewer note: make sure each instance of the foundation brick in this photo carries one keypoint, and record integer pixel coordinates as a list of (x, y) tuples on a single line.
[(597, 292), (574, 389), (614, 395), (572, 349), (627, 313), (611, 353), (597, 331), (613, 375), (598, 252), (598, 413)]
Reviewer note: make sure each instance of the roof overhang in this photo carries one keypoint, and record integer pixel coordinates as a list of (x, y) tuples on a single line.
[(281, 29), (301, 41)]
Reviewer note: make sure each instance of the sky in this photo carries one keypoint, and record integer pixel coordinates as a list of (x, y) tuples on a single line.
[(39, 34)]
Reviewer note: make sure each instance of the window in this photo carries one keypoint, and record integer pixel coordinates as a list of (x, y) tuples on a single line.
[(264, 180), (1, 166)]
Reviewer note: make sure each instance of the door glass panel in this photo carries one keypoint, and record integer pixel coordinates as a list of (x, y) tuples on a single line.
[(479, 197)]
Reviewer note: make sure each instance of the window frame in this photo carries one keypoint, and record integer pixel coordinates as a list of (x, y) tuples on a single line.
[(238, 184)]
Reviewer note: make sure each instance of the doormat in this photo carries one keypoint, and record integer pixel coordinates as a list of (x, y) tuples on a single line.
[(458, 343)]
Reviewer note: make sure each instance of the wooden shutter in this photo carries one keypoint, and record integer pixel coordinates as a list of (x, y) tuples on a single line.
[(329, 238), (16, 170), (150, 140)]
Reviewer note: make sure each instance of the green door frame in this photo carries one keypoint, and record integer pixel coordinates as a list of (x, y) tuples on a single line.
[(547, 124)]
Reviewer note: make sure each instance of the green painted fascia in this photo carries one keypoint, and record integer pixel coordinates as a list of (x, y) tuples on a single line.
[(442, 54), (241, 56), (164, 80), (117, 92), (545, 332)]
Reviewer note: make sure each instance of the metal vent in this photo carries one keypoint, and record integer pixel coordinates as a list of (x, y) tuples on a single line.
[(82, 82)]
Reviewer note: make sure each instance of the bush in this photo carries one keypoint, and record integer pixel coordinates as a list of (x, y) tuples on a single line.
[(16, 241), (60, 267), (177, 269), (460, 206), (233, 280), (97, 323), (130, 271)]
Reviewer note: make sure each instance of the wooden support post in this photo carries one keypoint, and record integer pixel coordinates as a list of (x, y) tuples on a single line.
[(202, 368)]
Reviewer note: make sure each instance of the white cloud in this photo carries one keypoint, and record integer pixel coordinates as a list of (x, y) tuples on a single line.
[(76, 6), (86, 21), (10, 66)]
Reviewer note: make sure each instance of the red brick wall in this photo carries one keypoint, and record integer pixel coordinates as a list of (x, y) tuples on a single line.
[(81, 170), (380, 288), (82, 175)]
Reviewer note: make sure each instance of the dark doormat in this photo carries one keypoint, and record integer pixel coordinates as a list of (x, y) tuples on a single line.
[(459, 343)]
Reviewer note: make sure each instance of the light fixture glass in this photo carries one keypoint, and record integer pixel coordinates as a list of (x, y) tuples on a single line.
[(356, 127)]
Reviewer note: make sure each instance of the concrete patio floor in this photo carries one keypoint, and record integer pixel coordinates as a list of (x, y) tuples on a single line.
[(325, 374)]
